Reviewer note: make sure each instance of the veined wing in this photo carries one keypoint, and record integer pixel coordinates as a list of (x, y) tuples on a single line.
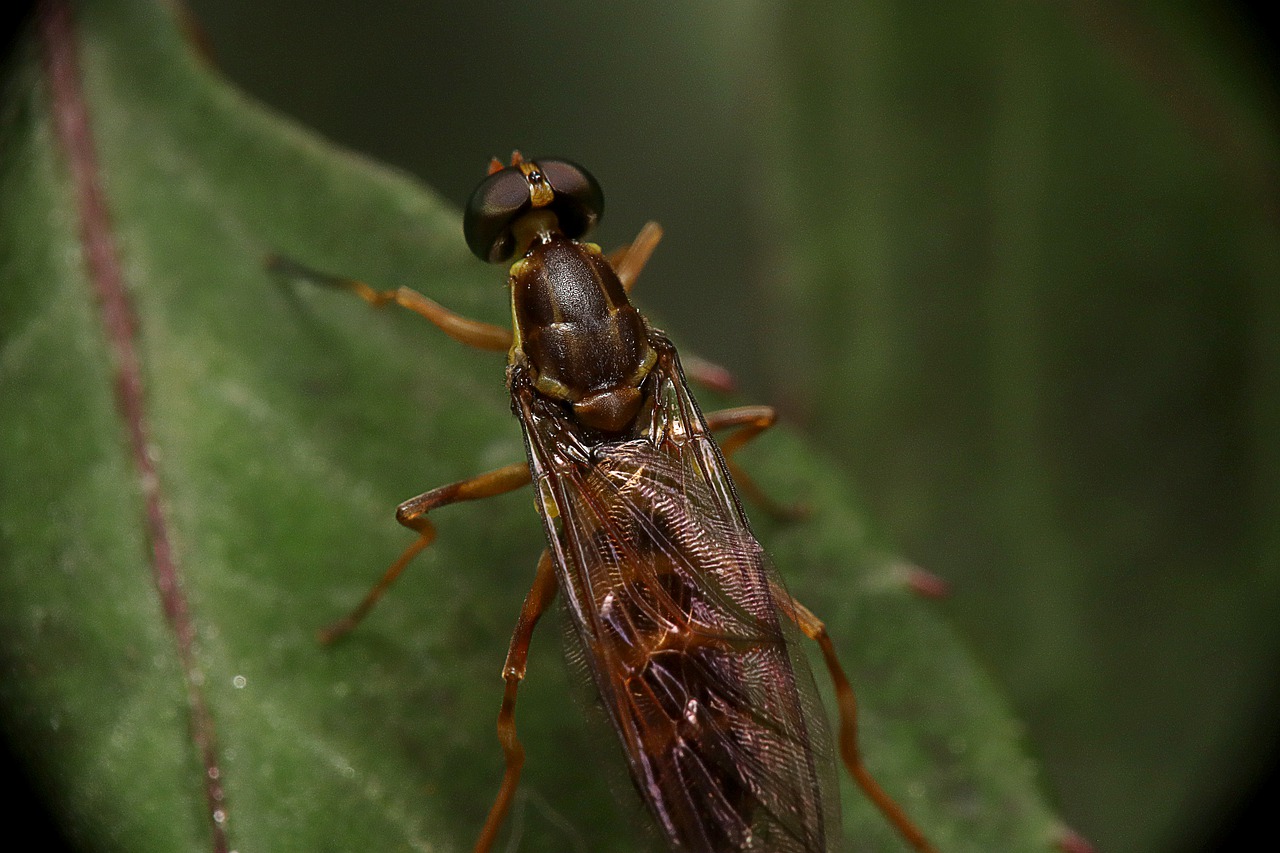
[(671, 596)]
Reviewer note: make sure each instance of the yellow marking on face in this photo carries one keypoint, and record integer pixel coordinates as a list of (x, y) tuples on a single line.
[(540, 192)]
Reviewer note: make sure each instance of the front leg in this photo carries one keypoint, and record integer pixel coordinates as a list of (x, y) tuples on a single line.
[(473, 333)]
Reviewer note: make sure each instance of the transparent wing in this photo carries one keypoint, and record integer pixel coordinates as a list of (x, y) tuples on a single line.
[(671, 596)]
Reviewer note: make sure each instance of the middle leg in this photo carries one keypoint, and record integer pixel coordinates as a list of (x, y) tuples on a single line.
[(413, 514), (750, 421)]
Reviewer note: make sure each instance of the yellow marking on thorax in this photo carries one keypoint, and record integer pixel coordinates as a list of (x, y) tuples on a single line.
[(517, 344)]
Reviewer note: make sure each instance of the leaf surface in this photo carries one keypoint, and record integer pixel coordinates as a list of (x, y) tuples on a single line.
[(286, 424)]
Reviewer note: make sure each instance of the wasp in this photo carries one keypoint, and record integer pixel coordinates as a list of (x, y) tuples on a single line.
[(688, 633)]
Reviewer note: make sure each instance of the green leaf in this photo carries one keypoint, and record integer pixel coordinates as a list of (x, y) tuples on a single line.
[(286, 425)]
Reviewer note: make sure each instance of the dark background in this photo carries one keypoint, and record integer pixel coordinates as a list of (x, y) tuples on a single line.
[(669, 126)]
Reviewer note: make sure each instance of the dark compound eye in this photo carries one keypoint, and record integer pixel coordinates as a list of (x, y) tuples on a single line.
[(579, 203), (505, 196), (499, 200)]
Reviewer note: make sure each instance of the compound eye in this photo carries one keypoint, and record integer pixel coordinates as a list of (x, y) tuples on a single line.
[(497, 203), (579, 202), (558, 186)]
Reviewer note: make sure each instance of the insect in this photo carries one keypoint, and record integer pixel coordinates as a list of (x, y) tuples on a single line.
[(688, 633)]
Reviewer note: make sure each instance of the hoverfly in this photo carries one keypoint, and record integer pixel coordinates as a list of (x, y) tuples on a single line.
[(687, 631)]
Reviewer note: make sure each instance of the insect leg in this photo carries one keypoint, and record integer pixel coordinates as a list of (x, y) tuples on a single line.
[(814, 629), (708, 374), (536, 602), (474, 333), (628, 261), (413, 514), (754, 420), (751, 421)]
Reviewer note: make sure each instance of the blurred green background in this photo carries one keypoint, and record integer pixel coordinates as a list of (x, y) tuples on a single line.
[(1015, 264)]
